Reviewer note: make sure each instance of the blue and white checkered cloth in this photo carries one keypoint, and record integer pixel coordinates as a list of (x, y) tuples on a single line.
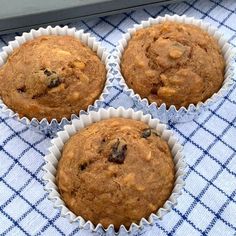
[(208, 203)]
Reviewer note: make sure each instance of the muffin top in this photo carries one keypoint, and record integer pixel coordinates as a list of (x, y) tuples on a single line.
[(115, 171), (173, 63), (51, 77)]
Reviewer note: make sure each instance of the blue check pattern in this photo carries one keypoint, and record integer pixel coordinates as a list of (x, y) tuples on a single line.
[(208, 203)]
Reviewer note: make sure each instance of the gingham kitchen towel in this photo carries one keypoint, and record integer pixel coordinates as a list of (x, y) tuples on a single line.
[(208, 203)]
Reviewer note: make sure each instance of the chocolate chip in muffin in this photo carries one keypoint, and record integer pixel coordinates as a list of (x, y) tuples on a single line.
[(22, 89), (54, 82), (118, 152), (83, 166), (154, 89), (47, 72), (147, 133)]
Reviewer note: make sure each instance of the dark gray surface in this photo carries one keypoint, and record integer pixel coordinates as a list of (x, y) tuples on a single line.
[(17, 15)]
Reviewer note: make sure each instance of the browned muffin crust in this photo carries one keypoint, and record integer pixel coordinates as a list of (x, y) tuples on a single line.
[(51, 77), (115, 171), (173, 63)]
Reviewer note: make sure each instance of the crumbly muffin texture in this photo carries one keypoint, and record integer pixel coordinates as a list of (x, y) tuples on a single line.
[(115, 171), (173, 63), (51, 77)]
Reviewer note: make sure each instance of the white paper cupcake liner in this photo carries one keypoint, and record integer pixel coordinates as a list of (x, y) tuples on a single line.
[(162, 112), (54, 125), (51, 162)]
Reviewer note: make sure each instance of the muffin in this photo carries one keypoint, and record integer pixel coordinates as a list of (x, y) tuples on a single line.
[(51, 77), (115, 171), (173, 63)]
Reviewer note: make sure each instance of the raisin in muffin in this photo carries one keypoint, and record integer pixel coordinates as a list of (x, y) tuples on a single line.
[(51, 77), (173, 63), (115, 171)]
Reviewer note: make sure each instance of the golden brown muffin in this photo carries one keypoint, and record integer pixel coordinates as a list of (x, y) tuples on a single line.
[(173, 63), (51, 77), (115, 171)]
